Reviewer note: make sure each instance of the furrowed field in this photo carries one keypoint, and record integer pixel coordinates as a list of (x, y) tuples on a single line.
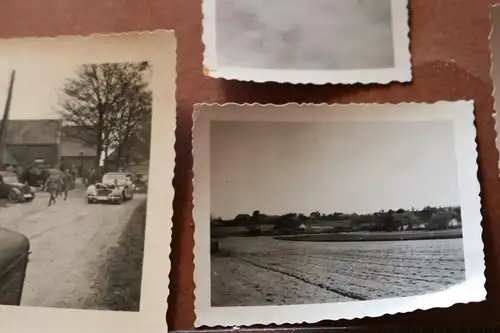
[(267, 271)]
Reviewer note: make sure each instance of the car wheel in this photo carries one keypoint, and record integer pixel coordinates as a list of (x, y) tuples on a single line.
[(89, 201)]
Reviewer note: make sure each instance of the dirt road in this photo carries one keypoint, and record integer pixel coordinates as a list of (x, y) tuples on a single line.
[(69, 241), (266, 271)]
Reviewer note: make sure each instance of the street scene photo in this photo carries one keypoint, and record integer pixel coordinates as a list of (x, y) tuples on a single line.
[(74, 165), (309, 212)]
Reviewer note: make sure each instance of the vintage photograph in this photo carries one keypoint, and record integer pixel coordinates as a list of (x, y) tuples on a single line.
[(75, 152), (59, 167), (495, 65), (344, 38), (325, 211)]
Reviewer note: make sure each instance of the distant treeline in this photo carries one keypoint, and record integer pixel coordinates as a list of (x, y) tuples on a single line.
[(428, 218)]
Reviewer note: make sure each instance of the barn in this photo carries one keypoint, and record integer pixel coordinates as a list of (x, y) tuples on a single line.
[(28, 141), (75, 151), (7, 159)]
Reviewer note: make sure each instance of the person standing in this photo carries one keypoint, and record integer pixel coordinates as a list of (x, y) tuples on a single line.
[(53, 185), (74, 176), (92, 177), (67, 181)]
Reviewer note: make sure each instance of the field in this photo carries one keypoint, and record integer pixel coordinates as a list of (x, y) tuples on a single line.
[(376, 236), (253, 271)]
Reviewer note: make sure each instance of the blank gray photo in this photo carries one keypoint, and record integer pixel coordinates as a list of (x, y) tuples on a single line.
[(305, 34)]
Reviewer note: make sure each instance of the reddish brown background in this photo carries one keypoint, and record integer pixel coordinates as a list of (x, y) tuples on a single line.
[(451, 61)]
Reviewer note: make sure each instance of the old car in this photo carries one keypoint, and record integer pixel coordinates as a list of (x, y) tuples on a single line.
[(14, 253), (115, 187), (141, 183), (14, 191)]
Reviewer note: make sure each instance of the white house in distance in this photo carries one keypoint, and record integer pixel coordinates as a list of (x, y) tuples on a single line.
[(454, 223)]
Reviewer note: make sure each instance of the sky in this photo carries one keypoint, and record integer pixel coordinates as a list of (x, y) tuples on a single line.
[(355, 167), (304, 34), (36, 90)]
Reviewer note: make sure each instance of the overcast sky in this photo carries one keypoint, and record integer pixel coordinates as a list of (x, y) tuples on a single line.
[(36, 90), (304, 34), (362, 167)]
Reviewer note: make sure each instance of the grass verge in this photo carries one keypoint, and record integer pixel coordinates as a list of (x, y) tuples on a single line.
[(120, 289)]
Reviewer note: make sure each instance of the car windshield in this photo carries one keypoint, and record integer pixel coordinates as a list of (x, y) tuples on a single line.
[(10, 179), (111, 177)]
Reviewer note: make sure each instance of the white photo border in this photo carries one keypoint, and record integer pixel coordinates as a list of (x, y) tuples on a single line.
[(461, 113), (401, 72), (158, 48)]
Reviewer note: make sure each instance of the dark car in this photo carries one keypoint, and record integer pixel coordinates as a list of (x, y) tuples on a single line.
[(141, 183), (34, 176), (14, 252), (14, 191)]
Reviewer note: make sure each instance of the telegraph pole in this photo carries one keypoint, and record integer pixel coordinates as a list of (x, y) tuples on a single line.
[(5, 119)]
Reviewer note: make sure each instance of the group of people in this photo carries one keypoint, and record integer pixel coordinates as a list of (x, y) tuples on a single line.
[(56, 181), (58, 184)]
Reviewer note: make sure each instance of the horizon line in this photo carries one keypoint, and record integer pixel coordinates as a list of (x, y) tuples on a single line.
[(352, 213)]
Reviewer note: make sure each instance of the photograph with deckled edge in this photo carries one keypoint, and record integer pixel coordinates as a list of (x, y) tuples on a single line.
[(363, 43), (495, 67), (323, 215), (76, 187)]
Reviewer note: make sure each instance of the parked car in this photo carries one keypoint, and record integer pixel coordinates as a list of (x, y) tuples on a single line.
[(14, 254), (141, 183), (12, 190), (115, 187), (35, 176)]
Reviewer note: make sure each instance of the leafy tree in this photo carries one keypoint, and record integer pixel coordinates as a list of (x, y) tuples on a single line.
[(386, 221), (111, 104), (287, 222), (426, 213), (410, 219), (440, 220), (315, 215)]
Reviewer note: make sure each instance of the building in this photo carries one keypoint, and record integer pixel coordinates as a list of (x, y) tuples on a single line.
[(454, 223), (39, 140), (8, 159), (75, 151)]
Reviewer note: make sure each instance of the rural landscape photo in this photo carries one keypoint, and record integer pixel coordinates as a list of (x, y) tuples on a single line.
[(74, 165), (319, 212), (309, 34)]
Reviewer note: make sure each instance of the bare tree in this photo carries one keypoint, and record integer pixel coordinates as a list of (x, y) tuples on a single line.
[(110, 103)]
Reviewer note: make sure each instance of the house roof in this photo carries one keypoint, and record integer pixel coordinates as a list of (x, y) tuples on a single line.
[(72, 145), (37, 131)]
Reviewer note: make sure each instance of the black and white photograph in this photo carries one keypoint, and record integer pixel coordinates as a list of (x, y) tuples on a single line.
[(495, 65), (313, 41), (75, 156), (332, 207)]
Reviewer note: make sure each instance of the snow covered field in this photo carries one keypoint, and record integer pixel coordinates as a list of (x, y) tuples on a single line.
[(265, 271)]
